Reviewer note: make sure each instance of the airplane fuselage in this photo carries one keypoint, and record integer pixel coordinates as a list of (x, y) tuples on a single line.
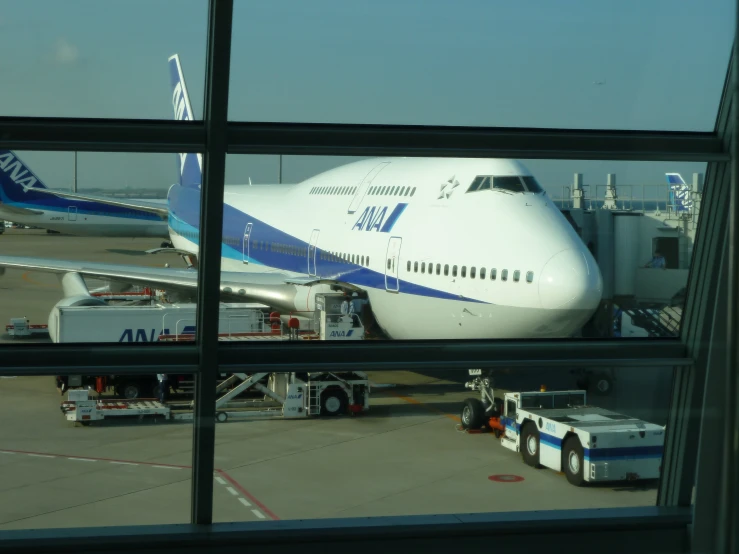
[(435, 260), (25, 199), (87, 222)]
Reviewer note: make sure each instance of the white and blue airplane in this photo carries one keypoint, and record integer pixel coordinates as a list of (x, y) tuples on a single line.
[(440, 248), (25, 199)]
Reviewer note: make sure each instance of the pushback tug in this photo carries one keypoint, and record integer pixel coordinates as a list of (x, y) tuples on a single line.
[(560, 431)]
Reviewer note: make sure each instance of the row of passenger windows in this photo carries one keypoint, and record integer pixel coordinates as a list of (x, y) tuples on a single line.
[(338, 191), (473, 273), (341, 257), (289, 249), (391, 191), (373, 191), (109, 213)]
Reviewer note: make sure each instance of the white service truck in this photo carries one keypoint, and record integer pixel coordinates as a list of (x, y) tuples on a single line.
[(105, 323), (142, 323), (560, 431)]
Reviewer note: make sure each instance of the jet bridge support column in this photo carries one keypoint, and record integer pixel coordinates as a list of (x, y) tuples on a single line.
[(611, 196), (577, 192), (603, 319)]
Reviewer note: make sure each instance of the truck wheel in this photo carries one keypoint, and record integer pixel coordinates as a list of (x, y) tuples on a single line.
[(573, 461), (473, 413), (602, 384), (333, 401), (530, 445), (130, 390)]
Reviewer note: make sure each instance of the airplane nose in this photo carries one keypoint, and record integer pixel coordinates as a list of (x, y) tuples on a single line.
[(570, 279)]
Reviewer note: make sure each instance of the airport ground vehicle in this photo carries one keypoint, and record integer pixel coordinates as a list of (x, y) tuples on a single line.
[(238, 322), (291, 395), (560, 431), (145, 323), (142, 323), (21, 327)]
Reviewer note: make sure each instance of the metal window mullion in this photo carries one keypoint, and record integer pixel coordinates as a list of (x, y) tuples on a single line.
[(704, 299), (116, 135), (101, 135), (439, 141), (209, 273), (698, 329), (708, 459), (729, 501), (66, 359), (444, 355)]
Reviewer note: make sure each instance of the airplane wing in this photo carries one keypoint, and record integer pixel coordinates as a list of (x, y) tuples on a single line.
[(268, 288), (14, 210), (152, 206)]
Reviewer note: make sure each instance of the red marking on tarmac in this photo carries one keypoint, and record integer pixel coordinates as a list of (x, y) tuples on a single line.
[(506, 478), (246, 493), (221, 472)]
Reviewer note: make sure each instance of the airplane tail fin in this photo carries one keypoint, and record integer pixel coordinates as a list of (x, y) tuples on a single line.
[(189, 165), (679, 192), (17, 181), (674, 179)]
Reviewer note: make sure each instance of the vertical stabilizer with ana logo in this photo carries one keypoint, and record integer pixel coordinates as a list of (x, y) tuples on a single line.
[(680, 196), (189, 165), (18, 182), (184, 196)]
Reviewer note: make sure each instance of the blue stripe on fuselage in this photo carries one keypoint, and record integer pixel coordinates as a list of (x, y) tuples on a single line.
[(274, 248), (396, 213)]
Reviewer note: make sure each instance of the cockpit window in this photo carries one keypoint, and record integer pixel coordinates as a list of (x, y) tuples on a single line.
[(475, 184), (532, 184), (511, 183)]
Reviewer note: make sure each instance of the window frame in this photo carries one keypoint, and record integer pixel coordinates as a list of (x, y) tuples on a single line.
[(216, 137)]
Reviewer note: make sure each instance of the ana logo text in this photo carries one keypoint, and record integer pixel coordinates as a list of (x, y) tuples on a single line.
[(141, 335), (341, 333), (15, 170), (373, 218)]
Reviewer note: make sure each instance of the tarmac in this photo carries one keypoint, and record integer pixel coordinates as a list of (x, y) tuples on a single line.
[(406, 456)]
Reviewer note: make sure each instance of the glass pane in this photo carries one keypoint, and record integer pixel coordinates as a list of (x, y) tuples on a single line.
[(84, 58), (573, 64), (396, 449), (589, 272), (124, 468), (87, 247)]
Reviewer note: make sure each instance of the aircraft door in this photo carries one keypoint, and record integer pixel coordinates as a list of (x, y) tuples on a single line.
[(72, 213), (247, 236), (312, 252), (364, 185), (392, 264)]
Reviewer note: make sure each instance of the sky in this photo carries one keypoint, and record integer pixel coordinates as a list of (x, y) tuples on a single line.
[(620, 64)]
